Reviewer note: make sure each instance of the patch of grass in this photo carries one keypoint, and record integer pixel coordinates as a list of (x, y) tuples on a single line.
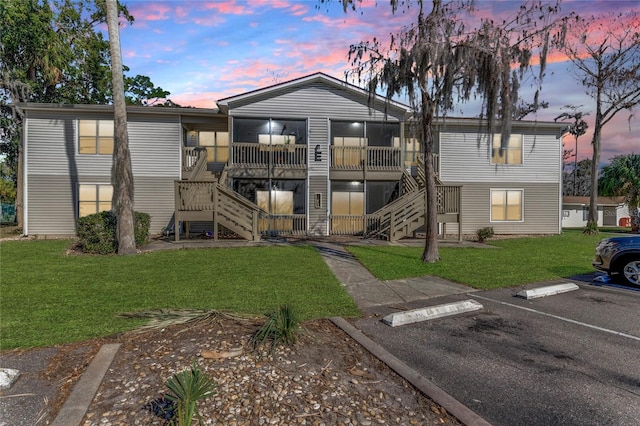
[(513, 261), (47, 297)]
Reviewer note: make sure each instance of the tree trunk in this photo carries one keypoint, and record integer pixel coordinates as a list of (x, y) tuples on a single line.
[(430, 253), (592, 222), (634, 219), (121, 173)]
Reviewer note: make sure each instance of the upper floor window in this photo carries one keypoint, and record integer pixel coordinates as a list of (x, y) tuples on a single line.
[(217, 145), (272, 131), (95, 137), (94, 198), (359, 133), (506, 205), (412, 149), (383, 134), (511, 154)]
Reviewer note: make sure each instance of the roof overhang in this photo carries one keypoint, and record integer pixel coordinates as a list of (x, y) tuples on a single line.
[(133, 109)]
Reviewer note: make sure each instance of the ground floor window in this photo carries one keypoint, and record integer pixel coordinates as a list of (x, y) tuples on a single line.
[(506, 205), (284, 201), (275, 196), (347, 207), (94, 198)]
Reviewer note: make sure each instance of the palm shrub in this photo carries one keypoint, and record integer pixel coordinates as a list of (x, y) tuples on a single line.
[(186, 388), (281, 327)]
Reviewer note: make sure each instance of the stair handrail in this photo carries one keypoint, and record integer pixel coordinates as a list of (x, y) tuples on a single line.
[(200, 167)]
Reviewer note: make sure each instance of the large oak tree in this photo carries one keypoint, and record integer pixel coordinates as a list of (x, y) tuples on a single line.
[(448, 55)]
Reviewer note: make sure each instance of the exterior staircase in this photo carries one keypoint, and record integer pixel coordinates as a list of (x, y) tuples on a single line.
[(205, 196), (405, 215)]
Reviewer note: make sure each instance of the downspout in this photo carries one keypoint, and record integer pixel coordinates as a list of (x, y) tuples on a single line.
[(561, 183), (24, 179)]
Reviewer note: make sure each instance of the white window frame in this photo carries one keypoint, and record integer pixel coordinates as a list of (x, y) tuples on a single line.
[(97, 136), (496, 138), (507, 190), (97, 200)]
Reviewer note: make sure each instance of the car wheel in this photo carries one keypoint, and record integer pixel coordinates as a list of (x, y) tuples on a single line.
[(630, 271)]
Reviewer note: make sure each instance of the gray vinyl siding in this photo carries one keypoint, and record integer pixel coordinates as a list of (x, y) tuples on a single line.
[(318, 135), (155, 196), (466, 158), (318, 219), (54, 168), (541, 206), (314, 100), (51, 208)]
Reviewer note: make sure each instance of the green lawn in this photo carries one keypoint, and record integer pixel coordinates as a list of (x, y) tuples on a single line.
[(512, 262), (47, 297)]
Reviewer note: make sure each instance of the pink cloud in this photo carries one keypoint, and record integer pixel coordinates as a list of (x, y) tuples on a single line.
[(181, 12), (229, 7), (150, 11), (299, 10), (276, 4), (208, 21)]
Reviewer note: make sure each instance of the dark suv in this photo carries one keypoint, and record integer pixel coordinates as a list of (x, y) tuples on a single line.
[(621, 256)]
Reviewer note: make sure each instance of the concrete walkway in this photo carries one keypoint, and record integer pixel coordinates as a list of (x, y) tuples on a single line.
[(368, 292)]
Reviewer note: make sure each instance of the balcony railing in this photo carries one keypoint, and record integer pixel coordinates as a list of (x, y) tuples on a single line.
[(293, 224), (253, 155), (374, 158)]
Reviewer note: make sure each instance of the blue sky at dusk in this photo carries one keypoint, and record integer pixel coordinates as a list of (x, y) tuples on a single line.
[(202, 51)]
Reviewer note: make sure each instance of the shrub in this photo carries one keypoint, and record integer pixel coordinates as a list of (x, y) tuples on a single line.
[(97, 232), (484, 233)]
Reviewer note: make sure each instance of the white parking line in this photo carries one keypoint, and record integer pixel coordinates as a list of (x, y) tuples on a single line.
[(595, 327)]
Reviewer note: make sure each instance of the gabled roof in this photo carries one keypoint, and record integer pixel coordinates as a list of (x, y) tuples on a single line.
[(318, 77)]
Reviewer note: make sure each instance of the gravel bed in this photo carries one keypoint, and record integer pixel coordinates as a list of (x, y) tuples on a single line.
[(325, 379)]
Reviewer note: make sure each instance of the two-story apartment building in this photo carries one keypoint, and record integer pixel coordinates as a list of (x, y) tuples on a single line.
[(311, 156)]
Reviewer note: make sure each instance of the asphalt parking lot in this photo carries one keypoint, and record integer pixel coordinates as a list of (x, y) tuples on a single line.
[(568, 359)]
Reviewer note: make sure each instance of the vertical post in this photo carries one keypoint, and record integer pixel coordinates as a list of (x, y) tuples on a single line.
[(459, 214), (392, 225), (176, 212), (255, 229), (215, 211)]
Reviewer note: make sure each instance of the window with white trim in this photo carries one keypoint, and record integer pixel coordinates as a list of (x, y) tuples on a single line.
[(217, 145), (95, 137), (506, 205), (511, 154), (94, 198)]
